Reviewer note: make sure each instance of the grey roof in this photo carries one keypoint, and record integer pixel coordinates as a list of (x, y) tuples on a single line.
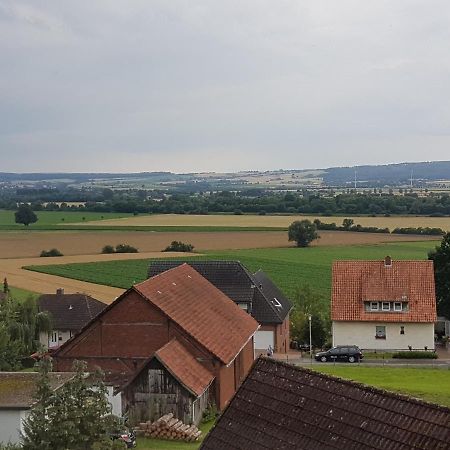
[(236, 282), (70, 311), (17, 389), (281, 406)]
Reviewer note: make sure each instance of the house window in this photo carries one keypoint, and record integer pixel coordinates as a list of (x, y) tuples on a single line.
[(397, 306), (243, 306), (380, 332), (402, 330), (70, 334), (386, 306), (374, 306), (54, 337)]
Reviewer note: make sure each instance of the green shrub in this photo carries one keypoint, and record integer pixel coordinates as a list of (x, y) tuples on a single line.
[(125, 248), (414, 354), (178, 246), (108, 249), (52, 252), (210, 413)]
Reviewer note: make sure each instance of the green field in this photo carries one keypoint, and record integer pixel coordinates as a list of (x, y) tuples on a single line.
[(427, 384), (21, 294), (52, 218), (288, 267)]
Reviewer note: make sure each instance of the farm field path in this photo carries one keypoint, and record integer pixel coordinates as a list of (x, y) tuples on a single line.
[(45, 284), (23, 244)]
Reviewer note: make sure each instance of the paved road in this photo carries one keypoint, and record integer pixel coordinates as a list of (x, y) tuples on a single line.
[(435, 363)]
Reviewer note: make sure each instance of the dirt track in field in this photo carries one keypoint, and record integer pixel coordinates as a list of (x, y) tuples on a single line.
[(45, 284), (30, 244)]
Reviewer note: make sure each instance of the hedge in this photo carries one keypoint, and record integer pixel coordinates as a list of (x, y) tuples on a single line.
[(415, 355)]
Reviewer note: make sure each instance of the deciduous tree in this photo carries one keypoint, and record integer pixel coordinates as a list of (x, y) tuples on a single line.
[(441, 259), (303, 232), (25, 215)]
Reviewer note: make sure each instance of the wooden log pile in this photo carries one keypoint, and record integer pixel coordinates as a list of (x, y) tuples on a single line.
[(168, 427)]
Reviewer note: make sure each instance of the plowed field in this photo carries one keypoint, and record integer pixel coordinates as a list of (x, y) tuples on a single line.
[(30, 244)]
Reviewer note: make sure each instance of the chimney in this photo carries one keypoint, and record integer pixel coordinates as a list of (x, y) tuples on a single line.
[(387, 261), (60, 291)]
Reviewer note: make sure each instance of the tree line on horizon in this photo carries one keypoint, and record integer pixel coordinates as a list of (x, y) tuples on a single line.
[(262, 202)]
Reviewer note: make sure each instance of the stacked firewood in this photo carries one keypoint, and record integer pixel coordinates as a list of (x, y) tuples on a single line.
[(168, 427)]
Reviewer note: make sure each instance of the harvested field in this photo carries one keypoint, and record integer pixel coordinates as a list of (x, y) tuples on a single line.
[(271, 221), (44, 283), (30, 244)]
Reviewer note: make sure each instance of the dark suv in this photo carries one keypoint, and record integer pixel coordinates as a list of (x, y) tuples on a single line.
[(341, 353)]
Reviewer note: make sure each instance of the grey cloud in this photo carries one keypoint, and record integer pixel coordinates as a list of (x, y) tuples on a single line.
[(206, 85)]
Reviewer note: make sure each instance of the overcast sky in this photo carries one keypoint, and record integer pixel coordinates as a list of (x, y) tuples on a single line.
[(205, 85)]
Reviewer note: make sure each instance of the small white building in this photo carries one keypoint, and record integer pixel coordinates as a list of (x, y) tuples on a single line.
[(69, 313), (383, 305), (16, 398)]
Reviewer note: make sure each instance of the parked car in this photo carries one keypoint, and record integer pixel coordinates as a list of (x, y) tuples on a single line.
[(341, 353)]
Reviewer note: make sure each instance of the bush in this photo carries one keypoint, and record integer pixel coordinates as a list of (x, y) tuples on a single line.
[(108, 249), (210, 413), (414, 354), (125, 248), (178, 246), (52, 252)]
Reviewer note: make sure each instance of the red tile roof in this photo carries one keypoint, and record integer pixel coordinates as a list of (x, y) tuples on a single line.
[(355, 282), (200, 309), (184, 367)]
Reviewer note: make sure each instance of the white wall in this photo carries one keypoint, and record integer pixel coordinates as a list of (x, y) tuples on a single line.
[(10, 425), (362, 334), (115, 401), (61, 336)]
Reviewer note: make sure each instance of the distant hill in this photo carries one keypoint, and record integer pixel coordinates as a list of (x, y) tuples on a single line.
[(389, 174), (369, 175)]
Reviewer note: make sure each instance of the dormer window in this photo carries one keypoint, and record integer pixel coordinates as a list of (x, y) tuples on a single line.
[(374, 306), (276, 302), (386, 306), (398, 306)]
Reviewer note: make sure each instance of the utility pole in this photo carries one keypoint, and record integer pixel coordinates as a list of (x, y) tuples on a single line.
[(310, 337), (355, 180), (411, 181)]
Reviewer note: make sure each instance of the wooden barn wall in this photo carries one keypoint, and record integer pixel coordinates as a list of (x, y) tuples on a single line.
[(155, 392)]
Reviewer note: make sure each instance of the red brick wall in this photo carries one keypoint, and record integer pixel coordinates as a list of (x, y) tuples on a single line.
[(132, 329)]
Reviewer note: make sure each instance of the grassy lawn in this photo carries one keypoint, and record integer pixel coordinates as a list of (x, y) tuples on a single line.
[(159, 444), (428, 384), (288, 267)]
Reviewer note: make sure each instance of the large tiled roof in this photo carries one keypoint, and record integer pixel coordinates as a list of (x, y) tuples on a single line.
[(280, 406), (17, 389), (200, 309), (184, 367), (70, 311), (236, 282), (355, 282)]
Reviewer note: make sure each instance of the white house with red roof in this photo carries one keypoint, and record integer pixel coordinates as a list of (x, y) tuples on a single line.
[(383, 305)]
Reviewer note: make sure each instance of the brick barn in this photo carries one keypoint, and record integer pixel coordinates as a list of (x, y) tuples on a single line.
[(168, 323)]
